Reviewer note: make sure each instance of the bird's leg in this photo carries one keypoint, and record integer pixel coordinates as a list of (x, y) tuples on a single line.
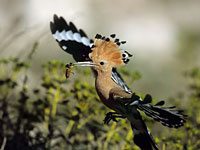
[(112, 116)]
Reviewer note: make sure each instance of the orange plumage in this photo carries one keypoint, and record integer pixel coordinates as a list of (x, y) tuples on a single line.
[(108, 51)]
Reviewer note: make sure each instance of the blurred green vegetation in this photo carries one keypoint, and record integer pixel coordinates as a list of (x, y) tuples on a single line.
[(65, 113)]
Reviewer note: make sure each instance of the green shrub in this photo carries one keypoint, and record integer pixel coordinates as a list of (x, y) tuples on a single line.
[(65, 113)]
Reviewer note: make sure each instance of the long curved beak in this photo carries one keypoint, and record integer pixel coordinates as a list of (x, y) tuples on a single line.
[(85, 64)]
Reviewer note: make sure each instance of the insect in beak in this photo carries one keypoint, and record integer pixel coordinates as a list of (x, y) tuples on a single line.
[(71, 65), (68, 71)]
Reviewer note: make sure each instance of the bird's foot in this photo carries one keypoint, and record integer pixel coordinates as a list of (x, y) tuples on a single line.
[(112, 116)]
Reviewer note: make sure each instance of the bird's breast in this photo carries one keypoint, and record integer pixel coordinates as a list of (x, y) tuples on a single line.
[(103, 87)]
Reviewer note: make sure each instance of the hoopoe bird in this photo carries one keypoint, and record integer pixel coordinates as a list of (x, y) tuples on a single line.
[(104, 56)]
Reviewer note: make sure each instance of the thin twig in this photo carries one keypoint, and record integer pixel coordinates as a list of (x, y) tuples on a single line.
[(4, 143)]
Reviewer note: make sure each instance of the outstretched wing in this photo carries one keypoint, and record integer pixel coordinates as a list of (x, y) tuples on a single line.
[(71, 40), (75, 42)]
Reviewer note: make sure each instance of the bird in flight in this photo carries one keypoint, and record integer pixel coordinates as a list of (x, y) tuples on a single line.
[(104, 56)]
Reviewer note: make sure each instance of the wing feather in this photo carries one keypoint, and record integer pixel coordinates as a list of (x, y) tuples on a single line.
[(75, 42)]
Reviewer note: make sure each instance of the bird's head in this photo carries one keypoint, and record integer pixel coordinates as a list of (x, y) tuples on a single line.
[(106, 54)]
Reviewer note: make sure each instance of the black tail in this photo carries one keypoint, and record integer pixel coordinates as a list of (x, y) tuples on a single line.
[(168, 116), (144, 140)]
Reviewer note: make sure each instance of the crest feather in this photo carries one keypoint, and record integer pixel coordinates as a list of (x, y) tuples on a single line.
[(107, 50)]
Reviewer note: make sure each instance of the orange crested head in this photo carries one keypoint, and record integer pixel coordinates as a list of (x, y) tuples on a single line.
[(107, 52)]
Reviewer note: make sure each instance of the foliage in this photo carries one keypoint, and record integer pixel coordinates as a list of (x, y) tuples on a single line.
[(65, 113)]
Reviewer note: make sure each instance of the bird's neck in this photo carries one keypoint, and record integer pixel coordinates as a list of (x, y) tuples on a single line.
[(104, 84), (104, 74)]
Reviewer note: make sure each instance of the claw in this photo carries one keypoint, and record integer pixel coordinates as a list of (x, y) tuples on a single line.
[(112, 116)]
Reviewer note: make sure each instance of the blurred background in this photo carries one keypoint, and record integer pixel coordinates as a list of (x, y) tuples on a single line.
[(163, 36)]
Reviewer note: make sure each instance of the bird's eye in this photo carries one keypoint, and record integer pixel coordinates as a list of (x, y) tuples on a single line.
[(101, 63)]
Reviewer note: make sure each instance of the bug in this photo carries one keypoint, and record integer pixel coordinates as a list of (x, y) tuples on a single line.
[(68, 71)]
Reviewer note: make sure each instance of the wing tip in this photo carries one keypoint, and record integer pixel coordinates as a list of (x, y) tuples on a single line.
[(52, 28), (55, 17)]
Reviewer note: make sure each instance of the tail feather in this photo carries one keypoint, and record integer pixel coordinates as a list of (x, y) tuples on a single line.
[(144, 140), (142, 137), (168, 116)]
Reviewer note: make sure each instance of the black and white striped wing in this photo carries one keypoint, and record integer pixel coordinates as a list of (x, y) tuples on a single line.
[(76, 43), (119, 80), (71, 40)]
